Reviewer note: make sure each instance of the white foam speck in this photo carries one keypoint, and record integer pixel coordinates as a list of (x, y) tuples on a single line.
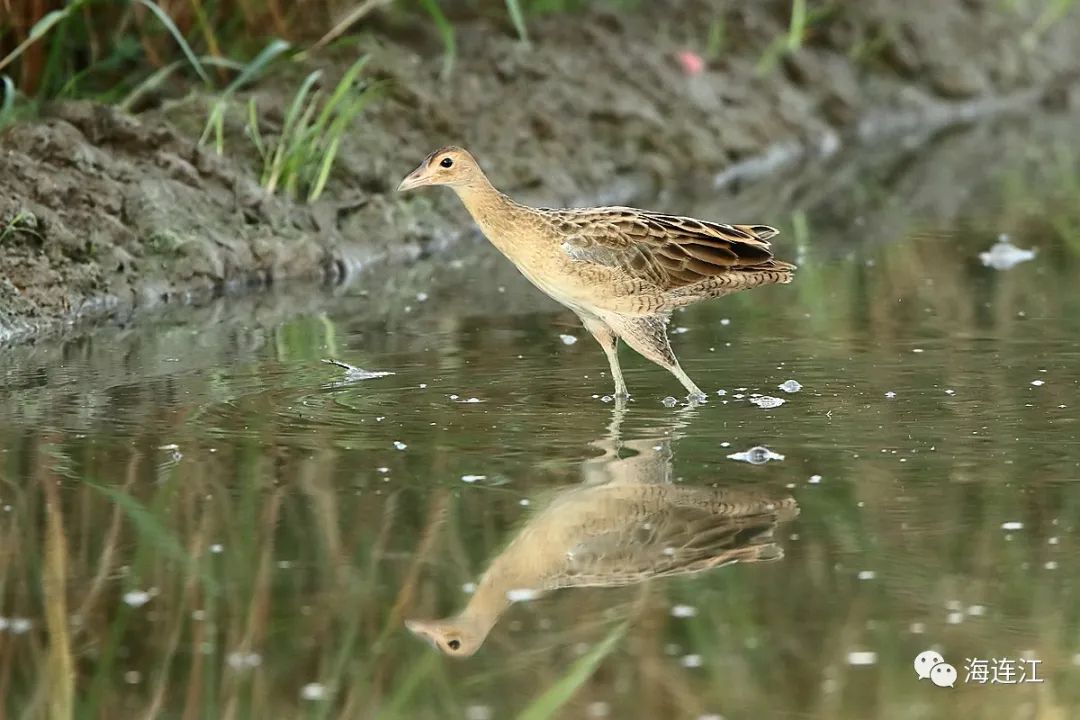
[(867, 574), (1012, 525), (469, 587), (890, 394), (690, 661), (400, 445), (568, 339), (815, 479), (217, 548), (862, 657), (522, 594), (243, 660), (683, 611), (313, 691), (1037, 383), (473, 478), (954, 618), (138, 598), (767, 402)]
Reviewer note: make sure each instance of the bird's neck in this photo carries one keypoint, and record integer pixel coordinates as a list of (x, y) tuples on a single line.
[(498, 216)]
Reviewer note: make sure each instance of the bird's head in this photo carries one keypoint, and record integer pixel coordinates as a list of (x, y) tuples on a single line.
[(451, 166), (450, 637)]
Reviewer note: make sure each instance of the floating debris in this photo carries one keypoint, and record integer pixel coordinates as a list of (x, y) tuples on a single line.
[(790, 386), (690, 661), (522, 594), (767, 402), (138, 598), (862, 657), (313, 691), (243, 660), (756, 455), (568, 339), (683, 611), (472, 478), (1003, 255), (353, 373)]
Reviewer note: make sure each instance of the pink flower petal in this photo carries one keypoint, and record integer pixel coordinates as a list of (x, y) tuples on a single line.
[(691, 62)]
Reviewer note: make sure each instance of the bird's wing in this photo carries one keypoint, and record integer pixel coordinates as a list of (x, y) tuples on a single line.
[(676, 540), (668, 250)]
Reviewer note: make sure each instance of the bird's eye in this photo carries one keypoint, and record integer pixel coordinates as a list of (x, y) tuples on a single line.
[(454, 644), (446, 162)]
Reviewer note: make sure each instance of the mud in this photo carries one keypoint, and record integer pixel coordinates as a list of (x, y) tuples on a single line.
[(102, 212)]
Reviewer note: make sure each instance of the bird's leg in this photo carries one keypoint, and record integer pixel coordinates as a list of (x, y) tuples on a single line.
[(648, 335), (610, 342)]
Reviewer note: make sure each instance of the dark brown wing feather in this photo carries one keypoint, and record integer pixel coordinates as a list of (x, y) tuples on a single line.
[(669, 250)]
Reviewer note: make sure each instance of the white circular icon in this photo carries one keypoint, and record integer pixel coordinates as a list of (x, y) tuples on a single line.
[(925, 662), (943, 675)]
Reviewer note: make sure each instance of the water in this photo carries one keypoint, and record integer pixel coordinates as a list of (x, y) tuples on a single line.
[(199, 518)]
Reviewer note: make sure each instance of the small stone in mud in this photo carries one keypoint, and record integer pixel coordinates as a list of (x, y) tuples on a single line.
[(758, 455), (790, 386)]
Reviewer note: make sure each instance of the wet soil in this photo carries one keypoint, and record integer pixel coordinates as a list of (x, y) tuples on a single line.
[(103, 212)]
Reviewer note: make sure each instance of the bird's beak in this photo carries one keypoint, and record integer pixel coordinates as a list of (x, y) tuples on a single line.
[(417, 178)]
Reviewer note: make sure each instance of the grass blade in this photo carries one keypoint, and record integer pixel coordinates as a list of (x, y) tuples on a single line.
[(41, 27), (518, 18), (258, 64), (548, 703), (446, 30), (179, 37)]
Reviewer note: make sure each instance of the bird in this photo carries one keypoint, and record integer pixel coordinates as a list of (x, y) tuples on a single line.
[(621, 270), (625, 524)]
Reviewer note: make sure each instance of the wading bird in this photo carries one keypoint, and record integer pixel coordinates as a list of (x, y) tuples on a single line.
[(621, 270)]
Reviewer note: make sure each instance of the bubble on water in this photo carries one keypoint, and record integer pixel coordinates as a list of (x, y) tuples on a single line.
[(917, 628), (950, 391), (19, 625), (243, 660), (756, 455), (1038, 383), (976, 610), (1003, 255), (606, 399), (1052, 541), (400, 445), (1050, 565), (598, 709), (954, 618), (473, 400), (680, 330), (524, 502), (862, 657), (867, 575), (568, 339), (1012, 525), (669, 401), (815, 479), (690, 661), (890, 394), (138, 598), (710, 716), (473, 478), (683, 611), (790, 386), (767, 402), (313, 691), (421, 297), (478, 712), (217, 548), (721, 392), (522, 594), (469, 588), (725, 321), (382, 470), (132, 677), (917, 350)]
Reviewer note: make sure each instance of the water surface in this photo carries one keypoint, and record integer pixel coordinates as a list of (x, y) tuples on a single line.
[(201, 519)]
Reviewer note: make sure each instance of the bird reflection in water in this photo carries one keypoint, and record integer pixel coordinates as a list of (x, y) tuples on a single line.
[(626, 523)]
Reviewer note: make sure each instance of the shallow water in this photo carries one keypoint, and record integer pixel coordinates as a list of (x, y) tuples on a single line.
[(201, 519)]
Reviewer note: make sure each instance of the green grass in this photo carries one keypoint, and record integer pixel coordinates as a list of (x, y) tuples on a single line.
[(300, 158)]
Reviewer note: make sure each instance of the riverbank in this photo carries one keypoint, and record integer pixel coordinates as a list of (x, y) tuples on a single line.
[(103, 211)]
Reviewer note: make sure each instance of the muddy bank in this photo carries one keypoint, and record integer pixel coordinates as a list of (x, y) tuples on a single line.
[(102, 212)]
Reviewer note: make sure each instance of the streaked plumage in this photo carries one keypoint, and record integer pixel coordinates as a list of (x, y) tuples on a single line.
[(622, 270)]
